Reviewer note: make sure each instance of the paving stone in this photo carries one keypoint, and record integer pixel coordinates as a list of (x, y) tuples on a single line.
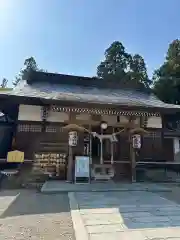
[(115, 216), (104, 221), (105, 228), (166, 233), (175, 219), (118, 236), (151, 219), (174, 224), (136, 214), (107, 204), (134, 209), (158, 206), (134, 225), (166, 213), (99, 211)]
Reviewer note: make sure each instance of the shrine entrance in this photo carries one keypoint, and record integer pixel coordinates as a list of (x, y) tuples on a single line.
[(96, 148), (104, 144), (102, 152)]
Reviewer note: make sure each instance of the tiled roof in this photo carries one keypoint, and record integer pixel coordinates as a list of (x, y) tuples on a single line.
[(65, 92)]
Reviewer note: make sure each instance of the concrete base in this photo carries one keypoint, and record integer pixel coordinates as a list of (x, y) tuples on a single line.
[(59, 186)]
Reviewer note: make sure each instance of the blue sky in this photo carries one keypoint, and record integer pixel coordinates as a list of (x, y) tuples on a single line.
[(70, 36)]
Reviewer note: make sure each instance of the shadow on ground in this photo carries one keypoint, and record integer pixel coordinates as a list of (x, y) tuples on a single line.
[(27, 202)]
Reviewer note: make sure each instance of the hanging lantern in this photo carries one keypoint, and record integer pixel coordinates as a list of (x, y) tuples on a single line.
[(73, 138), (136, 141)]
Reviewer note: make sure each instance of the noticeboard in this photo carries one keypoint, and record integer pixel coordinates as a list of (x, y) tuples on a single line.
[(82, 167)]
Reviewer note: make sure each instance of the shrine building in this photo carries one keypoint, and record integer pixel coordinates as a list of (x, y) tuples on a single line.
[(37, 111)]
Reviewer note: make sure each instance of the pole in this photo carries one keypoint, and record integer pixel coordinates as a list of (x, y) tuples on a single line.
[(133, 164), (112, 153), (70, 165), (101, 152), (90, 154), (112, 149)]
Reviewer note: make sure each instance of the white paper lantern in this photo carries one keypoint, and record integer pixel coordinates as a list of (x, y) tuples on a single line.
[(73, 138), (136, 141)]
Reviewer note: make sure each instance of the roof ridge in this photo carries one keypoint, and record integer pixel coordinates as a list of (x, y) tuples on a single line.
[(57, 78)]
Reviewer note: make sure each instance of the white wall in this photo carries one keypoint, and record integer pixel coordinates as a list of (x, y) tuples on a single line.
[(123, 119), (154, 122), (29, 113), (83, 116), (111, 120), (33, 113), (57, 117)]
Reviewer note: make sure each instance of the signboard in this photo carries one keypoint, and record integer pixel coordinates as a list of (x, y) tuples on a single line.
[(73, 138), (82, 166), (15, 157), (136, 141)]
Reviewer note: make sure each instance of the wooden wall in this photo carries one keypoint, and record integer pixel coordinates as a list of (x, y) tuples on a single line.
[(31, 137), (152, 146)]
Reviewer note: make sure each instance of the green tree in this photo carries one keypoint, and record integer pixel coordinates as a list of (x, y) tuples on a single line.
[(116, 62), (167, 77), (4, 83), (29, 65), (122, 66), (138, 71)]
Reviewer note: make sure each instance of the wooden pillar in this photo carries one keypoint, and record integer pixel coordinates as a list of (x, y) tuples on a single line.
[(112, 153), (133, 166), (90, 144), (70, 156), (112, 149), (133, 161), (101, 150), (90, 153), (70, 165), (101, 153)]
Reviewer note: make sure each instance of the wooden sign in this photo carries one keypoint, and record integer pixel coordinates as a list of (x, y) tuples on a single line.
[(15, 157)]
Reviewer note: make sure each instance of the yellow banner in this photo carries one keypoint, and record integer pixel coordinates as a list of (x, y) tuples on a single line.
[(15, 156)]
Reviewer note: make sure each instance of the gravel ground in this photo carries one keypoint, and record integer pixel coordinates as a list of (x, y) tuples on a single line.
[(26, 214)]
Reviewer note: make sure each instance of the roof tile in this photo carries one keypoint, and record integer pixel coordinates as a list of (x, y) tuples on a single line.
[(87, 94)]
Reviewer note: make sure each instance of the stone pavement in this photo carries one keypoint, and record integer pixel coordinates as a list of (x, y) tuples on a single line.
[(124, 215)]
